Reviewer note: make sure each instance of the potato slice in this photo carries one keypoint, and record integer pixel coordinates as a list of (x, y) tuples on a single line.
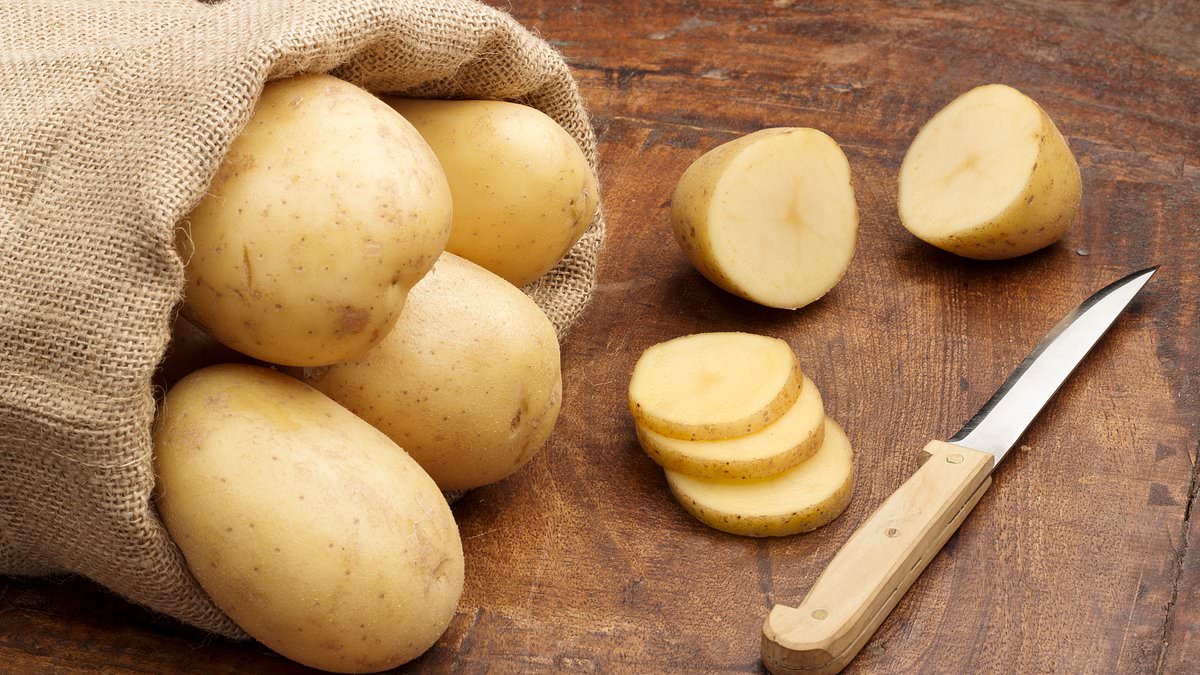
[(711, 386), (779, 446), (989, 177), (798, 500), (770, 217)]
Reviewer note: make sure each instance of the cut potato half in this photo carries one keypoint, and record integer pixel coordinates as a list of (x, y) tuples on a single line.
[(779, 446), (770, 216), (989, 177), (710, 386), (798, 500)]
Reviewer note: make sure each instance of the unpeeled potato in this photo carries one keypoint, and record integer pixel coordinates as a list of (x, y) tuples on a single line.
[(327, 208), (312, 530), (523, 190), (468, 381)]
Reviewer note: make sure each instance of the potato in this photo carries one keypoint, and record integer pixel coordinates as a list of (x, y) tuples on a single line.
[(326, 210), (798, 500), (770, 216), (779, 446), (711, 386), (989, 177), (309, 528), (523, 190), (468, 382)]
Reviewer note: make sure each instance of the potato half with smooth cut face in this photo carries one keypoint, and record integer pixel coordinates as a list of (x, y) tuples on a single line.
[(710, 386), (327, 208), (798, 500), (779, 446), (770, 216), (989, 177)]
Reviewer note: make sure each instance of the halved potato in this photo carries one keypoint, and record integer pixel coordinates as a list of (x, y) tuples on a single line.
[(710, 386), (989, 177), (779, 446), (798, 500), (770, 216)]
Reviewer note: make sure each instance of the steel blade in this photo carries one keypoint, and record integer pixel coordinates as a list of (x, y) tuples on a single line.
[(1002, 420)]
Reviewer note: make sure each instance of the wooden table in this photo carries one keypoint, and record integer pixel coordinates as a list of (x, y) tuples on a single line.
[(1082, 558)]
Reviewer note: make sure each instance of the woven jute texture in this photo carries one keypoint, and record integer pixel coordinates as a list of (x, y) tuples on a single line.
[(113, 119)]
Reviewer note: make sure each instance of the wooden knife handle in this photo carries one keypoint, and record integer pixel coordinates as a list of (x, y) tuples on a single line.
[(872, 571)]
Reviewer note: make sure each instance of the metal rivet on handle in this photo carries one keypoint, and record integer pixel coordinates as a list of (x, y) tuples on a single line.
[(955, 458), (819, 614)]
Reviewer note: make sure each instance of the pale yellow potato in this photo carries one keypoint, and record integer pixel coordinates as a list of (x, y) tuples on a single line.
[(712, 386), (770, 216), (989, 177), (779, 446), (523, 190), (468, 381), (312, 530), (328, 207), (800, 499)]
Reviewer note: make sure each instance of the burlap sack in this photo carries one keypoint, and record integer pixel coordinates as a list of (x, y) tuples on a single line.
[(113, 119)]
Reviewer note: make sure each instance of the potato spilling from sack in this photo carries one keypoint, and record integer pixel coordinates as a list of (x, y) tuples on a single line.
[(770, 216), (328, 207), (523, 190), (468, 381), (311, 529), (790, 471), (989, 177)]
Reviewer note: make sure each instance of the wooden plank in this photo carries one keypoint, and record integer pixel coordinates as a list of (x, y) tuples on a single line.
[(1075, 560)]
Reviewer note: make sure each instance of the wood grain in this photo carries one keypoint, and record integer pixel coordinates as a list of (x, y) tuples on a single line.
[(1080, 558)]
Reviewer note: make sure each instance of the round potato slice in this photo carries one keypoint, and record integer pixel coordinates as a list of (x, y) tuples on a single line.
[(798, 500), (989, 177), (770, 216), (779, 446), (710, 386)]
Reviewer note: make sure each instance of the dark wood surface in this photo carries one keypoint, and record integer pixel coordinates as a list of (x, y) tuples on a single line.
[(1082, 557)]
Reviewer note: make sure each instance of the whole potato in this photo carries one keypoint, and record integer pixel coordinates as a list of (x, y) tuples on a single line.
[(523, 191), (308, 527), (468, 382), (328, 207)]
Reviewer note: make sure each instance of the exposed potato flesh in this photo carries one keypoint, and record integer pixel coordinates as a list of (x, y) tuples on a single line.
[(798, 500), (779, 446), (710, 386), (989, 177), (770, 216)]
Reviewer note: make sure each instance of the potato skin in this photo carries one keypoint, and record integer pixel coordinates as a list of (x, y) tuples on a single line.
[(309, 528), (328, 207), (468, 382), (523, 190)]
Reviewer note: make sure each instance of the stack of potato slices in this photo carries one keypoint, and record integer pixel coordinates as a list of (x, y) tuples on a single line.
[(741, 433)]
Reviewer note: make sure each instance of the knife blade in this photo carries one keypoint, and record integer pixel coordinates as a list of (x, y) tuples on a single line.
[(882, 559)]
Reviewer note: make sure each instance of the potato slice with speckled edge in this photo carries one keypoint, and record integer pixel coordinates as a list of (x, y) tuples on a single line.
[(781, 445), (989, 177), (798, 500), (710, 386)]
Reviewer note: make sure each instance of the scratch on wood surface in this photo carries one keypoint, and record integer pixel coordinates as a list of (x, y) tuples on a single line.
[(1180, 557), (1137, 588)]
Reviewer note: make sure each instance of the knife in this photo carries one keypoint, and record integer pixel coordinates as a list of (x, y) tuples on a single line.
[(882, 559)]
